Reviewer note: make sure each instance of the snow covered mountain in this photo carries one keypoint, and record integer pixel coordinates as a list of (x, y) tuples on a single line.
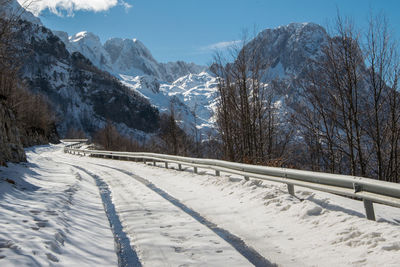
[(125, 56), (190, 89), (286, 50), (186, 87), (83, 96)]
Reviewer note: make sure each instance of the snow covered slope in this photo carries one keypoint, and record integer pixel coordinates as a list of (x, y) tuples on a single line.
[(192, 96), (199, 93)]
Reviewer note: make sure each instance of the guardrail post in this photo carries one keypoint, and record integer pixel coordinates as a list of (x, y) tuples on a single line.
[(195, 169), (180, 167), (369, 209), (217, 173), (290, 188), (166, 165), (154, 163), (144, 161)]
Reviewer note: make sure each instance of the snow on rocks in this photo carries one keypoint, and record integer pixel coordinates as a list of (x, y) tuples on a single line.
[(194, 97)]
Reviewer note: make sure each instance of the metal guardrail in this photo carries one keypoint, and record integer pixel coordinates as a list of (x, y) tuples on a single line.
[(76, 143), (369, 190), (74, 140)]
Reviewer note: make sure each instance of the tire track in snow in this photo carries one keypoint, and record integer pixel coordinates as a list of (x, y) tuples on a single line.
[(236, 242), (127, 256), (184, 240)]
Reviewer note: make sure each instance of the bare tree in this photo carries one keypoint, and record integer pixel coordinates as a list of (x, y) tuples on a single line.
[(350, 118), (381, 105), (197, 135), (74, 133), (247, 117)]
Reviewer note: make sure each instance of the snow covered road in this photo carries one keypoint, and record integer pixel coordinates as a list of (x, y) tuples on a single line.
[(175, 218), (160, 233)]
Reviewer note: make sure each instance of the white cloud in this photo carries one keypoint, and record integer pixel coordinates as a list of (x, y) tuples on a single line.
[(126, 5), (221, 45), (61, 7)]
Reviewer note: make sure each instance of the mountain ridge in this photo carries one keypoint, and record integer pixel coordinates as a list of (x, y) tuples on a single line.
[(125, 56), (284, 51)]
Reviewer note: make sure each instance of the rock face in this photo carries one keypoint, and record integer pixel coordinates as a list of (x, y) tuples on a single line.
[(286, 53), (286, 50), (18, 131), (36, 136), (11, 149), (83, 96)]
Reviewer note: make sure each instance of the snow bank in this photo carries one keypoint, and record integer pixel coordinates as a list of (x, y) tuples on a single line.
[(51, 213)]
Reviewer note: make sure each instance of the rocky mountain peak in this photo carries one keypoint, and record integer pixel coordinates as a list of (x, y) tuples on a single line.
[(84, 36), (287, 49), (131, 57), (120, 56)]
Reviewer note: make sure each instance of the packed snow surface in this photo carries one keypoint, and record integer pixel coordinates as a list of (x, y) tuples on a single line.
[(51, 213), (58, 216)]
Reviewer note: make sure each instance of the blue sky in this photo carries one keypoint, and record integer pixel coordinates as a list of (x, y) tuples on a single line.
[(187, 29)]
